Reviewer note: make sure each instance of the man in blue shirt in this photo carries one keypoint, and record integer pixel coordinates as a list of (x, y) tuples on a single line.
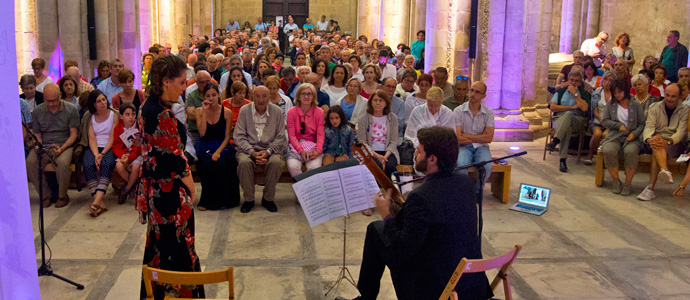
[(388, 85), (322, 98), (308, 25), (111, 86), (260, 25), (569, 105), (232, 25)]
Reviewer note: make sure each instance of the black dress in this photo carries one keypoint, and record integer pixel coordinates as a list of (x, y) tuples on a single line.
[(220, 186), (163, 200)]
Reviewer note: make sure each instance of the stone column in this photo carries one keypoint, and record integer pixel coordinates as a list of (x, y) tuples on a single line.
[(128, 38), (19, 279), (195, 14), (147, 28), (494, 53), (166, 22), (218, 14), (593, 14), (28, 34), (395, 26), (180, 21), (368, 12), (513, 50), (70, 31), (417, 19), (207, 17), (447, 36), (570, 25), (47, 37)]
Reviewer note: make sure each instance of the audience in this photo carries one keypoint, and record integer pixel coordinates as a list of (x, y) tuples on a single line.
[(338, 136), (674, 56), (600, 98), (28, 85), (353, 104), (305, 126), (336, 84), (111, 86), (275, 97), (441, 80), (474, 127), (103, 72), (418, 98), (128, 94), (641, 85), (397, 105), (127, 151), (194, 100), (622, 50), (38, 65), (459, 95), (596, 47), (372, 75), (430, 113), (378, 128), (68, 89), (659, 81)]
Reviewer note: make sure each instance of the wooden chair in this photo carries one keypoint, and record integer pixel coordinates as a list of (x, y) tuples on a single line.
[(552, 132), (186, 278), (480, 265)]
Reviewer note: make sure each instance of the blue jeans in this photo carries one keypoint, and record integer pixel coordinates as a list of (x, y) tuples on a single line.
[(468, 154)]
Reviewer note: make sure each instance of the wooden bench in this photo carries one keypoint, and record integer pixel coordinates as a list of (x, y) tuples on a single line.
[(499, 179), (645, 163)]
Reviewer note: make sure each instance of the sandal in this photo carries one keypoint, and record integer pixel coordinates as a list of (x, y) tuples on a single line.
[(201, 208), (367, 212), (97, 210), (678, 193)]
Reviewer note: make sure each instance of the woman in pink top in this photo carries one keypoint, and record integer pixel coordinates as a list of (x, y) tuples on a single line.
[(305, 126)]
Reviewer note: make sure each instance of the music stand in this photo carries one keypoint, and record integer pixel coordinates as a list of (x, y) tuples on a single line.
[(344, 271), (44, 269)]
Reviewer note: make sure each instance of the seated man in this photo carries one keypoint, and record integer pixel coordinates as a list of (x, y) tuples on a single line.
[(55, 124), (569, 105), (260, 141), (397, 105), (431, 113), (422, 243), (562, 80), (474, 127), (459, 93), (664, 137)]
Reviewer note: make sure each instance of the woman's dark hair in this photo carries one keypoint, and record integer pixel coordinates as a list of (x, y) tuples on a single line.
[(425, 77), (620, 84), (442, 143), (331, 80), (316, 63), (62, 82), (165, 67), (91, 101), (421, 31), (649, 72), (213, 86), (338, 110), (125, 74), (301, 53), (228, 93), (658, 66), (257, 61), (590, 64), (38, 62), (381, 94), (127, 105), (359, 60)]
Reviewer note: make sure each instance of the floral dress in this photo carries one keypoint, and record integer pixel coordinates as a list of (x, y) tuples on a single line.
[(164, 201)]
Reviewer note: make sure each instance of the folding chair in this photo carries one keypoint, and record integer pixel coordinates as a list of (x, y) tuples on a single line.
[(480, 265), (552, 132), (186, 278)]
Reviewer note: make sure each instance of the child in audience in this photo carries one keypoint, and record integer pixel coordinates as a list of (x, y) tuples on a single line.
[(126, 149), (337, 145)]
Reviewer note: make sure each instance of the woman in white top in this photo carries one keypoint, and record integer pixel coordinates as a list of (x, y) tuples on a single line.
[(431, 113), (660, 82), (282, 101), (336, 84), (353, 104), (99, 160), (416, 99), (591, 76), (38, 64), (622, 49), (355, 61), (68, 89), (600, 98)]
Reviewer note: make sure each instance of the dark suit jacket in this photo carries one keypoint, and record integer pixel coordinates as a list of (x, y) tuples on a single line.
[(38, 97), (434, 230)]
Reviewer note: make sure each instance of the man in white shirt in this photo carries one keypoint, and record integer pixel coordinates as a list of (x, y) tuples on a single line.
[(290, 28), (322, 25), (381, 57), (474, 127), (595, 47), (431, 113)]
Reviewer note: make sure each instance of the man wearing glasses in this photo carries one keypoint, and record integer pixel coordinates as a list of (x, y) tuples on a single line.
[(595, 47), (397, 105), (474, 127)]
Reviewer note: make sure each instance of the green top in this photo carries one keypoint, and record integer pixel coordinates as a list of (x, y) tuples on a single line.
[(452, 104), (193, 100)]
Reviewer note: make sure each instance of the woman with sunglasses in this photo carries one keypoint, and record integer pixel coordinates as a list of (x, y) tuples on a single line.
[(305, 126)]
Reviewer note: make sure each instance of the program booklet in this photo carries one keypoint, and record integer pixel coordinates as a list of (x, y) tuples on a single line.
[(335, 193)]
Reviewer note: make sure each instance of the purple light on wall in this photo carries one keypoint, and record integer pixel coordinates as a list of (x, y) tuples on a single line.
[(55, 64)]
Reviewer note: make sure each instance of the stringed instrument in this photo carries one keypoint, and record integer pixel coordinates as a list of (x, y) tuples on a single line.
[(364, 154)]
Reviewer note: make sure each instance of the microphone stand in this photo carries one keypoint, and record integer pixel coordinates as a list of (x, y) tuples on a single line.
[(44, 269), (481, 173)]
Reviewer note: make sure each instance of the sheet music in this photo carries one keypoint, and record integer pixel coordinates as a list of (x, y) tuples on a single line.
[(333, 193), (310, 195)]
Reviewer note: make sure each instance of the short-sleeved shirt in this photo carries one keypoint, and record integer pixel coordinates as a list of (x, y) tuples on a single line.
[(348, 108), (452, 104), (379, 131), (473, 124), (193, 100), (308, 26), (109, 89), (26, 111), (55, 127)]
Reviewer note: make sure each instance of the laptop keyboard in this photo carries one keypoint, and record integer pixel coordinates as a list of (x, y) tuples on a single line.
[(528, 208)]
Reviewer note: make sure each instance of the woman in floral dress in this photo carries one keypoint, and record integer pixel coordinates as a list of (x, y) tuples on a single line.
[(166, 192)]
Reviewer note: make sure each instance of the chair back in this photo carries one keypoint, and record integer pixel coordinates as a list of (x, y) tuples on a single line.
[(186, 278), (502, 263)]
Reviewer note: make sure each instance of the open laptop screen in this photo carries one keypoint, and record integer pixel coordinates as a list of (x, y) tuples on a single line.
[(534, 195)]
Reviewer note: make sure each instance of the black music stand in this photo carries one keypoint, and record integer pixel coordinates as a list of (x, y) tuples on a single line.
[(44, 269)]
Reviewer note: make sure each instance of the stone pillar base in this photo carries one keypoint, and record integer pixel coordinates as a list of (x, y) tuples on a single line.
[(526, 124)]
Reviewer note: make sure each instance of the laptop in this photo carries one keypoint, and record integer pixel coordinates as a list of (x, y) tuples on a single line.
[(533, 200)]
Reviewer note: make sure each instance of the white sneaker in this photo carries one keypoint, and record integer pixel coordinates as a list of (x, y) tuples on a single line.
[(666, 176), (646, 195)]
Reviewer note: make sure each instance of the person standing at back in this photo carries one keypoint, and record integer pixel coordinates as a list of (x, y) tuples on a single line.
[(674, 56)]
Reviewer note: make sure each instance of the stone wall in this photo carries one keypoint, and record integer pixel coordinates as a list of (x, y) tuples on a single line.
[(343, 11), (647, 25)]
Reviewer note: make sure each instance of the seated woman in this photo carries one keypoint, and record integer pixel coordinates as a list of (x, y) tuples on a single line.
[(641, 85), (99, 159), (684, 85), (320, 67), (591, 76), (600, 97), (431, 113), (216, 158), (625, 121), (127, 151), (660, 82), (69, 90), (336, 84), (372, 75), (424, 83), (235, 76), (305, 125), (355, 61), (129, 93), (38, 65), (236, 93), (337, 145), (275, 97), (378, 128), (353, 104)]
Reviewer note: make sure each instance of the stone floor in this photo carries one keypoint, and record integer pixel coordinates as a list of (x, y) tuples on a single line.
[(591, 244)]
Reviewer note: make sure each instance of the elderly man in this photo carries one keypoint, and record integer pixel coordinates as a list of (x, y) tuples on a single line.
[(247, 66), (191, 60), (459, 96), (232, 25), (474, 127), (322, 25), (55, 124), (684, 73), (235, 61), (76, 75), (326, 54), (674, 56), (194, 100), (441, 80), (111, 85), (397, 105), (595, 47), (569, 105), (214, 67), (664, 136), (562, 80), (260, 141), (621, 69), (260, 25), (323, 99), (431, 113)]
